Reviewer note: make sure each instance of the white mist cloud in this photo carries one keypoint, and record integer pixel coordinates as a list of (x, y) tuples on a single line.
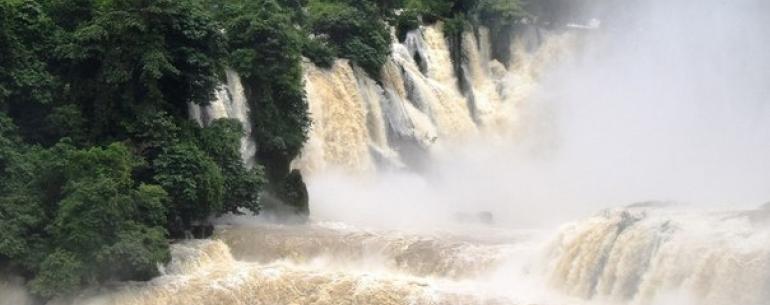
[(668, 100), (671, 102)]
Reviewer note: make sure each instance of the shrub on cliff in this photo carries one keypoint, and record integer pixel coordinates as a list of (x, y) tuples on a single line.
[(97, 152), (355, 28), (72, 217), (319, 50), (193, 181), (221, 141)]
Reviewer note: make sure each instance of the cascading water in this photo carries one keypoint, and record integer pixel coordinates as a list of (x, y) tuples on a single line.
[(205, 272), (360, 125), (230, 103), (456, 249), (636, 255), (654, 255)]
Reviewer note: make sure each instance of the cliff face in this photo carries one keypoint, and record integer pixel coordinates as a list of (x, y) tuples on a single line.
[(432, 93), (423, 100)]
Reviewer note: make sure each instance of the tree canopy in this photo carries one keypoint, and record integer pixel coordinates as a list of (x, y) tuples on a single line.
[(99, 162), (100, 165)]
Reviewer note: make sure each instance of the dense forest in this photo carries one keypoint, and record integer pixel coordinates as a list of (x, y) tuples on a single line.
[(100, 165)]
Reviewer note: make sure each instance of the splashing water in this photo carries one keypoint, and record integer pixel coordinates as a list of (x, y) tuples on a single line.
[(230, 103), (635, 255), (360, 125), (426, 193), (647, 255)]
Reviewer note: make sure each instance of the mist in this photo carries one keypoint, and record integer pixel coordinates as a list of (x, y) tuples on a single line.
[(666, 101)]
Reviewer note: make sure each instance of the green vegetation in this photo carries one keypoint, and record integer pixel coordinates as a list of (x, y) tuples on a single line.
[(99, 164), (265, 49), (73, 216), (355, 28), (358, 30), (239, 182), (405, 22)]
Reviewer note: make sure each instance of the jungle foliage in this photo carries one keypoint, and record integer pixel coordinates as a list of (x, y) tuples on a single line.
[(100, 166)]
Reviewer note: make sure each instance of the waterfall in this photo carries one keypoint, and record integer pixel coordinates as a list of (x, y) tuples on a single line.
[(206, 272), (412, 254), (361, 125), (635, 255), (230, 102), (649, 256), (348, 127)]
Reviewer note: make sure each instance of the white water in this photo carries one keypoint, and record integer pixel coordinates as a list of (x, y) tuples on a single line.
[(230, 102), (668, 102), (360, 126), (662, 256), (638, 255), (663, 107)]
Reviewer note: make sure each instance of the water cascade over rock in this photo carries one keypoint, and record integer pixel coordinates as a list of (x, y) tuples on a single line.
[(230, 103), (205, 273), (361, 124), (417, 105), (650, 256), (636, 255), (420, 104)]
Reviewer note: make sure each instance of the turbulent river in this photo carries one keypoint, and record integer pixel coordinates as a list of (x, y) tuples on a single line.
[(637, 255), (491, 183)]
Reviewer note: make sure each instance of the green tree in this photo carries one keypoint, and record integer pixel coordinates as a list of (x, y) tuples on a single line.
[(193, 181), (431, 10), (319, 50), (99, 163), (222, 142), (405, 22), (500, 12), (137, 56), (26, 85), (265, 49), (74, 217), (77, 75), (24, 41), (151, 131), (23, 212), (60, 272), (355, 28), (502, 17)]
